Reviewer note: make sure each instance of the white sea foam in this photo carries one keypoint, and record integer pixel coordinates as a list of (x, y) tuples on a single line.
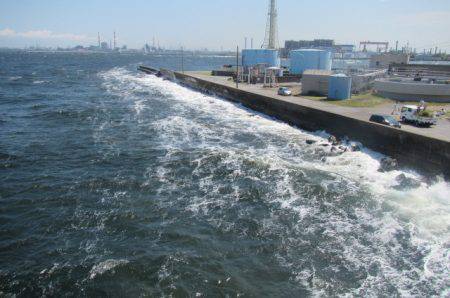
[(105, 266), (37, 82), (14, 78), (422, 213)]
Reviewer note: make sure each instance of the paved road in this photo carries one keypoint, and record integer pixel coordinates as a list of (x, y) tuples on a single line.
[(440, 131)]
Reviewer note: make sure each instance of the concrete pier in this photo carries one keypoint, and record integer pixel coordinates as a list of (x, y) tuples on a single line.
[(419, 151)]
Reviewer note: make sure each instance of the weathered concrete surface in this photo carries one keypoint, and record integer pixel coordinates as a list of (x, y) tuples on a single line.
[(429, 155), (410, 90)]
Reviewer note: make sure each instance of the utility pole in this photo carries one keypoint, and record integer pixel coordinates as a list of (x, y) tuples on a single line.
[(237, 67)]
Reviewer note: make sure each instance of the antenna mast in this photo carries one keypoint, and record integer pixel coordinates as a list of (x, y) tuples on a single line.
[(271, 39)]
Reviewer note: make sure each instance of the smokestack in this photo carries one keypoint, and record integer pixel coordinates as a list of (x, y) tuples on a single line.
[(114, 40), (99, 41), (271, 38)]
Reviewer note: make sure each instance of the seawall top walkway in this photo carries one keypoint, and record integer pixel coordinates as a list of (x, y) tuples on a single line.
[(441, 131)]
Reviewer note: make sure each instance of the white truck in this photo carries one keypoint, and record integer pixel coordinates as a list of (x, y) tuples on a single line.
[(412, 114)]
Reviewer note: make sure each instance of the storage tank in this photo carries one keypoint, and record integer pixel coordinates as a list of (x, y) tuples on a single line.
[(253, 57), (339, 87), (302, 60)]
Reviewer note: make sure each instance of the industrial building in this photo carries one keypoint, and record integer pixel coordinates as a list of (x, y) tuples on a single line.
[(386, 59), (344, 48), (407, 90), (363, 81), (416, 82), (291, 45), (324, 44), (315, 82), (310, 67), (325, 83)]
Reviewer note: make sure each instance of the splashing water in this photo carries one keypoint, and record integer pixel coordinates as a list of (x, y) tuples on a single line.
[(179, 193)]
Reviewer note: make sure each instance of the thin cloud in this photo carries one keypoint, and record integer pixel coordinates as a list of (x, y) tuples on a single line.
[(7, 32), (43, 34), (427, 18)]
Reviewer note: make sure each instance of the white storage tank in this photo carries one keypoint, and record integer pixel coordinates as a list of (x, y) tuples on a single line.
[(340, 87), (252, 57), (304, 59)]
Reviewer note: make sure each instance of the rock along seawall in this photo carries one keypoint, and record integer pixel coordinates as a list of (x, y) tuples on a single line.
[(428, 155)]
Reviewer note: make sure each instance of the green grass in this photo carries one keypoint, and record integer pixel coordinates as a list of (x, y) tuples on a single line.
[(365, 100)]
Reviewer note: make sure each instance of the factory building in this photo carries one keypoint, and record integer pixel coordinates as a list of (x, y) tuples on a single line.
[(291, 45), (344, 48), (315, 82), (324, 83), (253, 57), (386, 59), (305, 59), (324, 44)]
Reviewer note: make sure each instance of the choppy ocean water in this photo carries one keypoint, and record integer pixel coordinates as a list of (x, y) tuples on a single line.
[(115, 183)]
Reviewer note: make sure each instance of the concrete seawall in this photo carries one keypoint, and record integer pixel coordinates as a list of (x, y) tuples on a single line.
[(428, 155), (407, 91)]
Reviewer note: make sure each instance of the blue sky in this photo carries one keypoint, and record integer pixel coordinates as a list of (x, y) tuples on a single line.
[(221, 23)]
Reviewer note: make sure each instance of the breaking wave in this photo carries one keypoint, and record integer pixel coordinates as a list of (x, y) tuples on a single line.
[(351, 229)]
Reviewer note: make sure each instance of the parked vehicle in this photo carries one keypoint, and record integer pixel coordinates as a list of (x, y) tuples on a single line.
[(284, 91), (417, 116), (385, 120)]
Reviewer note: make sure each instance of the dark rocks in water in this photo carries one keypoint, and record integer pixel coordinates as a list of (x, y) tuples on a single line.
[(320, 152), (355, 147), (334, 141), (325, 145), (336, 151), (405, 183), (388, 164), (433, 179), (310, 142)]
